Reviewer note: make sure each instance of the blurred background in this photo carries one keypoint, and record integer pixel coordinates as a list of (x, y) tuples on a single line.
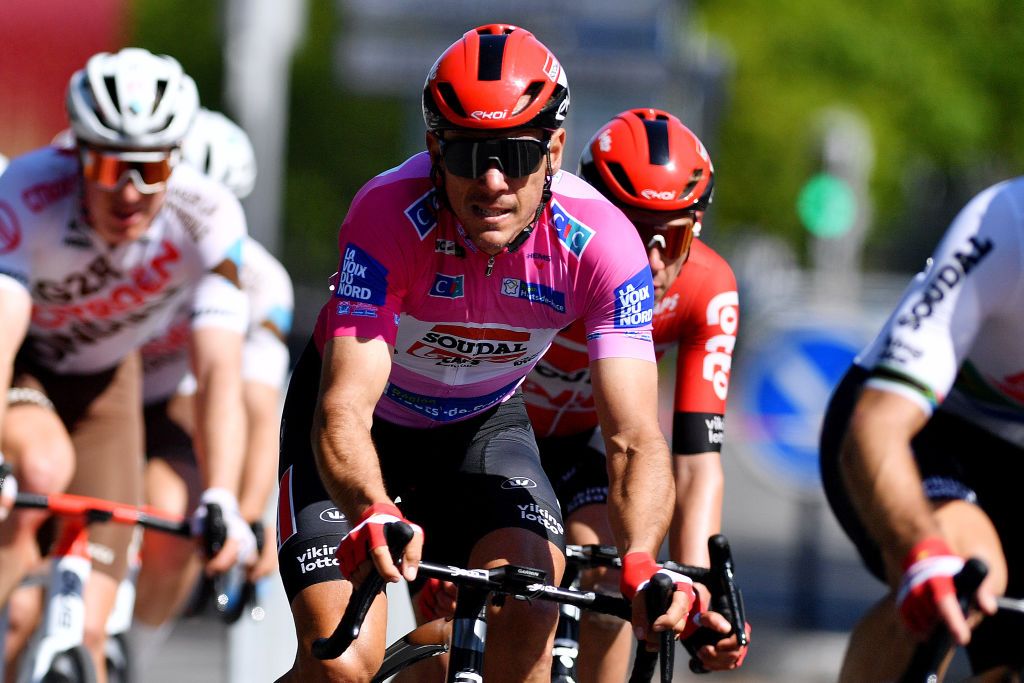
[(845, 136)]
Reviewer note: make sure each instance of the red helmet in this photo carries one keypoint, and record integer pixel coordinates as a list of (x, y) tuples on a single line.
[(647, 159), (496, 77)]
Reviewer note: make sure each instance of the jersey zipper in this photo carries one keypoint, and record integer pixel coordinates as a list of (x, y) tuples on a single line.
[(490, 265)]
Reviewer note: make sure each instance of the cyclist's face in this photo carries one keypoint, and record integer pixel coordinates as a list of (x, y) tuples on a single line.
[(667, 237), (121, 213), (495, 206)]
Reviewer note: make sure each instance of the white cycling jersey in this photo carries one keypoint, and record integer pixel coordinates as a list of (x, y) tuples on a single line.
[(955, 337), (93, 303), (266, 284)]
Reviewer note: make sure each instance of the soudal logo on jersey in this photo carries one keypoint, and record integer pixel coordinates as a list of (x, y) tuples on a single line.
[(449, 344), (449, 247), (573, 234), (361, 278), (634, 302), (945, 279), (448, 286), (533, 292), (423, 214), (10, 229)]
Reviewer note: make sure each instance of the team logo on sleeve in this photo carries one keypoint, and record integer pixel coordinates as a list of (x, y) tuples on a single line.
[(534, 293), (423, 214), (447, 286), (10, 230), (634, 303), (361, 278), (573, 234), (945, 278)]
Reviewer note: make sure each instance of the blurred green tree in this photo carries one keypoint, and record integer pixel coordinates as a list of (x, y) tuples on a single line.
[(938, 83)]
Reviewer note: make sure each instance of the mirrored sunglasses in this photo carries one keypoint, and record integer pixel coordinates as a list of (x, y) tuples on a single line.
[(672, 242), (110, 169), (515, 157)]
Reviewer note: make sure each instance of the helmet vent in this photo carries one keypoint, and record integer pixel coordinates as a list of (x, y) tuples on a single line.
[(621, 178), (657, 142), (492, 54), (694, 179), (447, 93), (161, 87), (111, 84), (528, 97)]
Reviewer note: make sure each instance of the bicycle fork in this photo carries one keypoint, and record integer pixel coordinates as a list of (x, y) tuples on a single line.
[(469, 633), (64, 621)]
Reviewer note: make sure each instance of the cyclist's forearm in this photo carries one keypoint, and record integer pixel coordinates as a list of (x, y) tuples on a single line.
[(640, 494), (698, 511), (219, 417), (15, 308), (882, 478), (260, 471), (347, 460)]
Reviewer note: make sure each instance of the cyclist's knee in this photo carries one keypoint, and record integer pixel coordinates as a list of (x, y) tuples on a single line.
[(342, 670), (45, 465)]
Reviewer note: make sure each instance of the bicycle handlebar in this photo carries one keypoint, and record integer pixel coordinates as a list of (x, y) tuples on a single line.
[(928, 655), (98, 510)]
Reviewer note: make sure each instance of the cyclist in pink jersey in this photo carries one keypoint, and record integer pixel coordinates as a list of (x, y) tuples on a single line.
[(659, 173), (98, 245), (457, 269)]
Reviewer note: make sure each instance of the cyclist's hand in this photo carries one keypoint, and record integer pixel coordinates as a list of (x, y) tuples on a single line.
[(436, 599), (366, 543), (726, 654), (266, 552), (926, 594), (637, 569), (239, 546), (8, 489)]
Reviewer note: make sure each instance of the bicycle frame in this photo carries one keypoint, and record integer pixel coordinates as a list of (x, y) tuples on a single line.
[(63, 624)]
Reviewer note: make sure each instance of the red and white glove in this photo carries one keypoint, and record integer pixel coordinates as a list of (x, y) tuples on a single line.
[(368, 534), (637, 570), (928, 572)]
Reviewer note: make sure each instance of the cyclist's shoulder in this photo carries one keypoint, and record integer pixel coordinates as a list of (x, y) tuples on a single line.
[(39, 180), (707, 267), (574, 201), (399, 202)]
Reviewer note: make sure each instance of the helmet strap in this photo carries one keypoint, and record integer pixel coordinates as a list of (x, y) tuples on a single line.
[(545, 197)]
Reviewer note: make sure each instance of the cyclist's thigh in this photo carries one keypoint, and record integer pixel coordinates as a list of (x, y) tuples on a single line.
[(172, 474), (309, 525), (578, 470), (108, 441)]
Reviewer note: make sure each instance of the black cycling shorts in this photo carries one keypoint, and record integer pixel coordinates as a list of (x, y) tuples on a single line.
[(577, 470), (958, 461), (459, 481)]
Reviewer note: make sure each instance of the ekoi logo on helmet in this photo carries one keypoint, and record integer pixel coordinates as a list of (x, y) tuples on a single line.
[(490, 115)]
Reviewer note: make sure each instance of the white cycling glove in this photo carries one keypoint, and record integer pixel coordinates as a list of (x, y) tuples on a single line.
[(237, 528), (8, 489)]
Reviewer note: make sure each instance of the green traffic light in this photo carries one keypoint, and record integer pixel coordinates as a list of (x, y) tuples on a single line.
[(827, 206)]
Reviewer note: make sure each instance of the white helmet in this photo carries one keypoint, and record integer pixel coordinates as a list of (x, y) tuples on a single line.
[(131, 99), (220, 149), (3, 164)]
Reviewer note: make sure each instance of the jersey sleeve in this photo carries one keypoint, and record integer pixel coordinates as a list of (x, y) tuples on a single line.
[(220, 229), (373, 272), (615, 281), (15, 248), (706, 341), (936, 322)]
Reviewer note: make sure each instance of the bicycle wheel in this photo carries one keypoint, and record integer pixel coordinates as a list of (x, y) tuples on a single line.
[(71, 666)]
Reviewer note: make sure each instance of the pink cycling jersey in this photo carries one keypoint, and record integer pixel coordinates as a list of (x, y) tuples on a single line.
[(699, 315), (466, 334)]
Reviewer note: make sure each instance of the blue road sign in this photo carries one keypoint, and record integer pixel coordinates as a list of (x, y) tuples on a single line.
[(786, 382)]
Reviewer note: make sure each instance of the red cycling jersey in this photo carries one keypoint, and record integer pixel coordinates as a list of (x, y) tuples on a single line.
[(700, 315)]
